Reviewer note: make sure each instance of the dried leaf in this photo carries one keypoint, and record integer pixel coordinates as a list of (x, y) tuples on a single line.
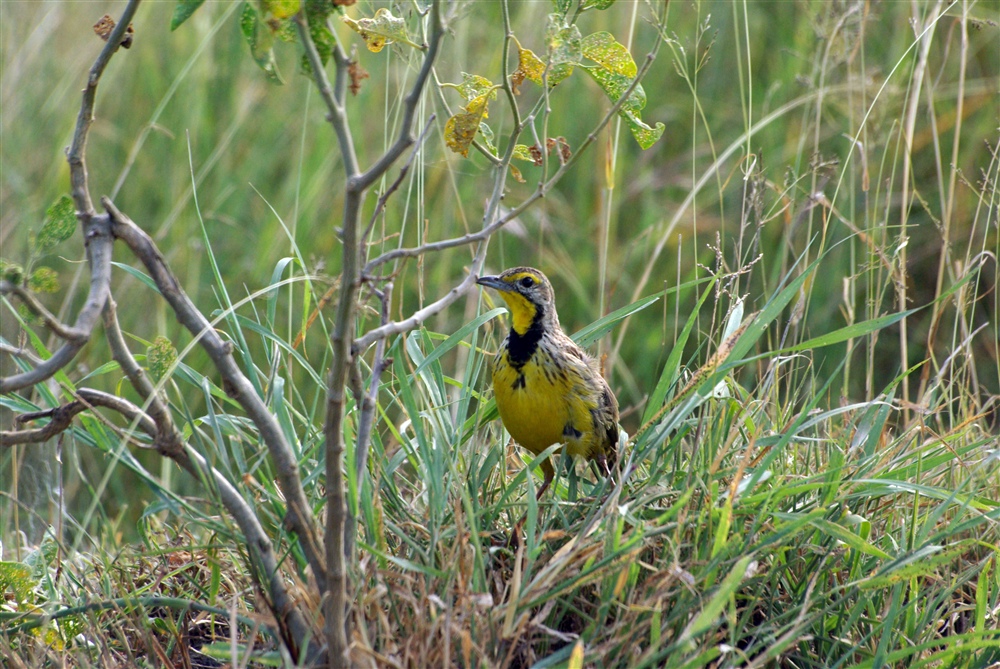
[(535, 155), (523, 152), (357, 74), (106, 24)]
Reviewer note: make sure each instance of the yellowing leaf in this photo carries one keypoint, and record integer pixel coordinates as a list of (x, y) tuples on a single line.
[(602, 48), (529, 66), (576, 656), (461, 129), (44, 280), (382, 29), (480, 105), (523, 152), (282, 9), (459, 132)]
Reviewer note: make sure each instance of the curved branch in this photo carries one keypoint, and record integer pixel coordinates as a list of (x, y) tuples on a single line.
[(170, 443), (95, 229), (62, 417), (299, 517), (98, 240), (77, 152), (36, 307)]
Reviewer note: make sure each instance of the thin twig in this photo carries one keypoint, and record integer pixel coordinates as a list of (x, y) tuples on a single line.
[(76, 156), (405, 138), (394, 186), (540, 192), (36, 307), (22, 353), (334, 99), (366, 420)]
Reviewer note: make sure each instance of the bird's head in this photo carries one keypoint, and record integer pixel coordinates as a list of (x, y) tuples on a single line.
[(528, 295)]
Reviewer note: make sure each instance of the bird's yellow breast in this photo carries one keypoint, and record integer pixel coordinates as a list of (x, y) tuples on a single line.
[(542, 403)]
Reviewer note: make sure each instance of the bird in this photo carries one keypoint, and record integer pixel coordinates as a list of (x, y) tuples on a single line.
[(547, 389)]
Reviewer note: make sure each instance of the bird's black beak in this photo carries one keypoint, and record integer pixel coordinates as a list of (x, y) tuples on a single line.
[(493, 282)]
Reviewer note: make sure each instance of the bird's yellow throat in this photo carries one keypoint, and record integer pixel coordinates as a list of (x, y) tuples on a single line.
[(522, 312)]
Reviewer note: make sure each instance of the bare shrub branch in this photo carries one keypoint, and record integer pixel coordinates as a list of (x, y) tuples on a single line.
[(235, 383)]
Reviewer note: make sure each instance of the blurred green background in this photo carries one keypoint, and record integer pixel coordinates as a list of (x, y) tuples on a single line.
[(762, 102)]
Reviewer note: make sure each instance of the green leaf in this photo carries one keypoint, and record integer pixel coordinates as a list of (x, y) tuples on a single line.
[(849, 538), (59, 225), (486, 132), (562, 6), (317, 12), (614, 86), (596, 4), (380, 30), (44, 280), (223, 651), (456, 338), (922, 562), (258, 35), (183, 11), (11, 271), (564, 51), (672, 367), (474, 86)]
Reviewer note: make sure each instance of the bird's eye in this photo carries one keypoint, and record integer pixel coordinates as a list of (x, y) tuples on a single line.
[(527, 282)]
